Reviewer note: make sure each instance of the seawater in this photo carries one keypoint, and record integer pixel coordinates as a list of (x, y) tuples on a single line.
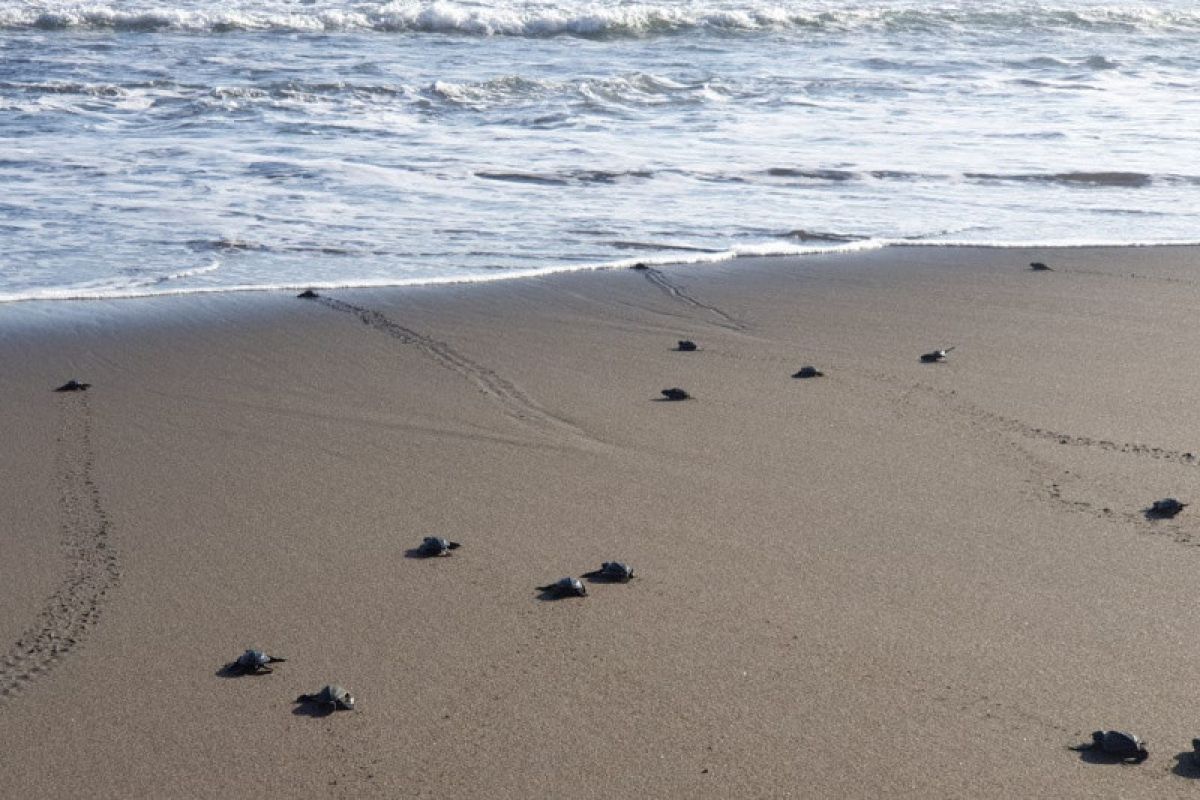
[(152, 147)]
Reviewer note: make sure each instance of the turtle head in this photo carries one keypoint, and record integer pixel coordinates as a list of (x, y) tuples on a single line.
[(347, 702), (1142, 754), (1097, 736)]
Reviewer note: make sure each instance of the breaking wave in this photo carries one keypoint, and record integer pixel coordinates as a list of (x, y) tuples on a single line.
[(609, 20)]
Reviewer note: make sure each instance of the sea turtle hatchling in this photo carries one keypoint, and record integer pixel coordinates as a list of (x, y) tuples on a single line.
[(809, 372), (1038, 266), (675, 394), (1117, 744), (331, 696), (308, 294), (934, 356), (565, 587), (686, 346), (616, 571), (432, 546), (74, 386), (1166, 508), (254, 662)]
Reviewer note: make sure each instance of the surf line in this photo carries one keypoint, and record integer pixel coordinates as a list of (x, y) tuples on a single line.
[(75, 607)]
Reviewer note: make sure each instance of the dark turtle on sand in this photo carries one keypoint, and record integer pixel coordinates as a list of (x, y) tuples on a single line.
[(1196, 747), (639, 266), (566, 587), (436, 546), (332, 697), (253, 662), (1118, 745), (1166, 508), (616, 571), (934, 356), (308, 294), (1038, 266), (686, 346), (809, 372), (74, 386), (675, 394)]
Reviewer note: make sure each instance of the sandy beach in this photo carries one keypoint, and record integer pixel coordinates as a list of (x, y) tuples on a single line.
[(896, 580)]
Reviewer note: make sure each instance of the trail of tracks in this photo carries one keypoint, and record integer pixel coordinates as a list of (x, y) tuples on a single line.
[(74, 608), (991, 420), (514, 402), (659, 279)]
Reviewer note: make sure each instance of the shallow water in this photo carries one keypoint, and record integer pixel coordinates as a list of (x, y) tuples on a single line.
[(206, 146)]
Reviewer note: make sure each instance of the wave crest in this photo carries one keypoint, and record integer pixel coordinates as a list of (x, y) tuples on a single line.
[(592, 21)]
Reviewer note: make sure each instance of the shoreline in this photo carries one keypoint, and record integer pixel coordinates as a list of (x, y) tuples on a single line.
[(899, 579), (703, 258)]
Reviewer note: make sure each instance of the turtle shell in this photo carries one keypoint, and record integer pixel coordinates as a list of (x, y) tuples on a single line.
[(253, 659), (335, 695), (616, 570), (434, 545), (1121, 744), (1167, 507)]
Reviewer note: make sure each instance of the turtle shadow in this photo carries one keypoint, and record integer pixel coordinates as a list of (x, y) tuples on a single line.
[(551, 596), (419, 554), (1092, 755), (1187, 764), (315, 710), (670, 400), (234, 671)]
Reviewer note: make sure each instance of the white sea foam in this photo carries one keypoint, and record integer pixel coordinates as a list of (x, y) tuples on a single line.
[(591, 19)]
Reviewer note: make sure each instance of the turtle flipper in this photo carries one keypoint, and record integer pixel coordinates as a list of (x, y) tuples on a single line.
[(547, 588), (453, 545), (275, 660), (306, 698), (596, 573)]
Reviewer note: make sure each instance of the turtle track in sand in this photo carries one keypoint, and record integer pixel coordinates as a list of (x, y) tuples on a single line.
[(74, 608), (1051, 482), (660, 280), (991, 420), (508, 396)]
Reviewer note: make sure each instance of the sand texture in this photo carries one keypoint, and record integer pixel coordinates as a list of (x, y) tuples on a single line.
[(897, 580)]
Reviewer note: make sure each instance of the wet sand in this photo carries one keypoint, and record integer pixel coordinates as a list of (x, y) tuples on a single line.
[(897, 580)]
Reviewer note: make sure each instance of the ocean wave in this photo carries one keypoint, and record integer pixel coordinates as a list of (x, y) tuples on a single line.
[(591, 20), (567, 178)]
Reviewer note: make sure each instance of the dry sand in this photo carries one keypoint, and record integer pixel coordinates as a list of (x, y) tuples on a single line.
[(899, 580)]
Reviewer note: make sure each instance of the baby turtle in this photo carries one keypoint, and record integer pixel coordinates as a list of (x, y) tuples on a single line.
[(611, 571), (308, 294), (686, 346), (436, 546), (1166, 508), (332, 696), (1118, 745), (566, 587), (639, 266), (675, 394), (254, 662), (1038, 266), (74, 386), (934, 356), (809, 372)]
